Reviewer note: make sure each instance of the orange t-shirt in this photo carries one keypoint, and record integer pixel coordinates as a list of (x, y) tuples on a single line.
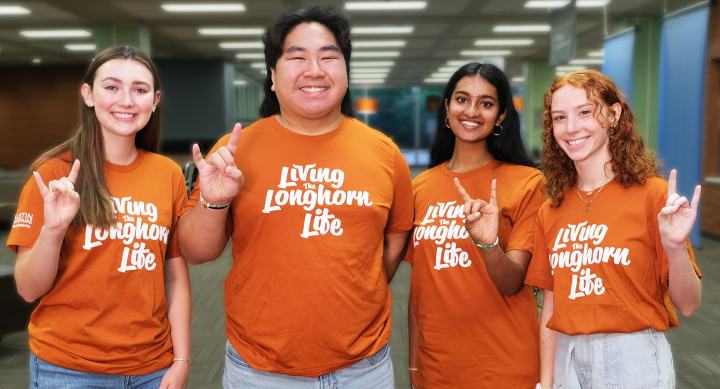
[(106, 311), (307, 293), (471, 336), (607, 266)]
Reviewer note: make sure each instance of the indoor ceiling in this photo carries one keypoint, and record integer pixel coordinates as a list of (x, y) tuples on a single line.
[(439, 33)]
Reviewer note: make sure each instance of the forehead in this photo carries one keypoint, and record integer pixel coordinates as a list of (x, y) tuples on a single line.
[(126, 70), (569, 96), (309, 35), (476, 85)]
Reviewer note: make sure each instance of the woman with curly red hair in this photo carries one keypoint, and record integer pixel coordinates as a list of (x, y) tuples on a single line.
[(611, 247)]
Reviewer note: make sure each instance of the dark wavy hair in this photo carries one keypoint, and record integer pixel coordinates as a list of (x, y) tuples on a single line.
[(274, 40), (631, 162), (506, 147)]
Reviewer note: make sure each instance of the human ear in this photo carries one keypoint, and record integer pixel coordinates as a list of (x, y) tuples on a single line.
[(156, 101), (86, 93), (615, 112), (272, 77), (500, 118)]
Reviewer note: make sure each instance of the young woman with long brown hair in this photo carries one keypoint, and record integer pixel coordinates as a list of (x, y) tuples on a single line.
[(96, 244), (611, 247)]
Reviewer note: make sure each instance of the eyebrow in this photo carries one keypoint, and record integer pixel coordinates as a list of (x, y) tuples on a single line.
[(120, 81), (483, 96), (293, 49)]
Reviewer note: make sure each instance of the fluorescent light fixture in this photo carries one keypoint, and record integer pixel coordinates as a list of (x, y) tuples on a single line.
[(368, 81), (382, 30), (260, 65), (36, 60), (518, 79), (504, 42), (371, 64), (441, 75), (451, 69), (596, 54), (378, 44), (239, 82), (203, 7), (13, 10), (458, 63), (55, 33), (242, 45), (371, 70), (250, 56), (366, 54), (231, 31), (486, 53), (436, 80), (385, 5), (80, 47), (569, 68), (586, 62), (560, 73), (369, 75), (526, 28), (562, 3)]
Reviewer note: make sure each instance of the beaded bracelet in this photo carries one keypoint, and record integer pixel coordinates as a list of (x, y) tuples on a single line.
[(487, 247)]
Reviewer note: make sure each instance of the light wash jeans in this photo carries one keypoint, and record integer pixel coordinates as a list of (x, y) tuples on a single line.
[(45, 375), (638, 360), (374, 372)]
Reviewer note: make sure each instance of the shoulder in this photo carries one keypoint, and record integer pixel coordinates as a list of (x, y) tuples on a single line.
[(427, 177), (55, 167), (360, 129), (520, 176), (162, 164)]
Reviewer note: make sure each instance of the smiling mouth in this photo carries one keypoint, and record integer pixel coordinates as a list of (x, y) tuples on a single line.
[(468, 123), (124, 115), (577, 141), (314, 89)]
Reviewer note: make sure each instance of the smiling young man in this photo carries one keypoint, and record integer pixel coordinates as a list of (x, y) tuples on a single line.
[(319, 218)]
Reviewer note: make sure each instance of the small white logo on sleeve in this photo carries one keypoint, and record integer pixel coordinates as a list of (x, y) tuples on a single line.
[(23, 219)]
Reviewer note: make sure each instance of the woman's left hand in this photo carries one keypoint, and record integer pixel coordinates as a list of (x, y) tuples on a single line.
[(176, 376), (676, 219), (481, 217)]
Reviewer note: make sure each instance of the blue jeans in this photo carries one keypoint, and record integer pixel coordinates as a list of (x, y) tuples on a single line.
[(374, 372), (45, 375), (638, 360)]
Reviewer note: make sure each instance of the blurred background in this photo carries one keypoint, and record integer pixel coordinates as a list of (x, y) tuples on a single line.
[(663, 54)]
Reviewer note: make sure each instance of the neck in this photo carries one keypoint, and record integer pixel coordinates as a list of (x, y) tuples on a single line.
[(310, 126), (469, 156), (119, 150), (593, 173)]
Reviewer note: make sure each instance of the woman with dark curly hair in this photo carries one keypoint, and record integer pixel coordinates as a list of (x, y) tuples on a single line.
[(611, 247)]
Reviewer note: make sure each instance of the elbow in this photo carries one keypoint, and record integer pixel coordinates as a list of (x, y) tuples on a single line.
[(510, 290), (689, 309), (27, 295)]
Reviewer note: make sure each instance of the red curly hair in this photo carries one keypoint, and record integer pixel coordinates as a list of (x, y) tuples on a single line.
[(631, 162)]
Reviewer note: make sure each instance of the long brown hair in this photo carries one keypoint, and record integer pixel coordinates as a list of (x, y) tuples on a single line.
[(630, 161), (86, 144)]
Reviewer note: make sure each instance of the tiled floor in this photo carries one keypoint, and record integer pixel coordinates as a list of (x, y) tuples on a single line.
[(696, 343)]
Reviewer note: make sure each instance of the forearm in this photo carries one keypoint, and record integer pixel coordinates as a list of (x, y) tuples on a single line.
[(507, 275), (414, 334), (548, 342), (394, 247), (36, 267), (201, 234), (177, 292), (684, 286)]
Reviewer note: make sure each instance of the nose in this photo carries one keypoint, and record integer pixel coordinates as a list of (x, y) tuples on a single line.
[(472, 111), (572, 125), (314, 69), (126, 99)]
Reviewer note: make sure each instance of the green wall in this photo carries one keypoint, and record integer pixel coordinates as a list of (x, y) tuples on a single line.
[(646, 79), (538, 78)]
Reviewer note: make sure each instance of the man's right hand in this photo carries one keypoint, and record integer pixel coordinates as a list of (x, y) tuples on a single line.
[(220, 180)]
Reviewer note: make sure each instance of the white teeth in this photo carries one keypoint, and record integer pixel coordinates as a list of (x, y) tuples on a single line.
[(576, 142), (469, 124), (123, 115), (312, 89)]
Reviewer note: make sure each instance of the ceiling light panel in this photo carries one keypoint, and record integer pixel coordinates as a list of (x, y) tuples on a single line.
[(569, 68), (375, 54), (203, 7), (80, 47), (450, 69), (441, 75), (239, 82), (596, 54), (231, 31), (258, 65), (370, 64), (371, 70), (385, 5), (55, 33), (242, 45), (586, 62), (458, 63), (485, 53), (368, 81), (525, 28), (562, 3), (504, 42), (518, 79), (378, 44), (382, 30), (250, 56), (436, 80), (370, 75), (13, 10)]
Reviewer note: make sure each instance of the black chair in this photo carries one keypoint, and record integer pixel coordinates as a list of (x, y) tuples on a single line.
[(191, 175)]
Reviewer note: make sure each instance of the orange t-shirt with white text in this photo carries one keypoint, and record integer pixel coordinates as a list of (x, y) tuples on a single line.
[(607, 267), (106, 312), (307, 293), (471, 336)]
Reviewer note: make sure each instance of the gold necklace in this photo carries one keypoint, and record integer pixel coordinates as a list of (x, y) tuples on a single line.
[(577, 189)]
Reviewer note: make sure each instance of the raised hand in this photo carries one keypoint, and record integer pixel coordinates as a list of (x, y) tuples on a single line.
[(61, 201), (481, 218), (677, 217), (219, 179)]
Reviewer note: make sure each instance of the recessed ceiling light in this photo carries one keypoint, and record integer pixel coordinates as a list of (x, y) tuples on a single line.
[(385, 5), (596, 54), (441, 75), (36, 60), (203, 7), (55, 33), (586, 62), (569, 68), (250, 56), (242, 45), (371, 75), (562, 3), (13, 10), (368, 81), (527, 28), (239, 82), (382, 30), (80, 47), (371, 70), (518, 79), (458, 63), (436, 80), (231, 31), (452, 69), (258, 65), (489, 53), (365, 54), (369, 64), (504, 42), (378, 43)]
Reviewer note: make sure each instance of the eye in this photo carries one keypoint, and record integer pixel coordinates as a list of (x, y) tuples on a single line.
[(558, 118), (140, 90), (584, 112), (486, 104), (461, 100), (111, 87)]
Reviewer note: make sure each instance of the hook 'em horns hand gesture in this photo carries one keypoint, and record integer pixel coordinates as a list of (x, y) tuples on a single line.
[(220, 180), (481, 218), (676, 219), (61, 201)]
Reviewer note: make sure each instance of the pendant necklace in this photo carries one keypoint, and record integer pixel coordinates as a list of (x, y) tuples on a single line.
[(577, 189)]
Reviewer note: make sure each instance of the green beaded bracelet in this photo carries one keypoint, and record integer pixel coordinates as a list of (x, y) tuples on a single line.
[(487, 247)]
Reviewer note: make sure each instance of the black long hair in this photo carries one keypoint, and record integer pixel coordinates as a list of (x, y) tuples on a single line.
[(506, 147), (274, 40)]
